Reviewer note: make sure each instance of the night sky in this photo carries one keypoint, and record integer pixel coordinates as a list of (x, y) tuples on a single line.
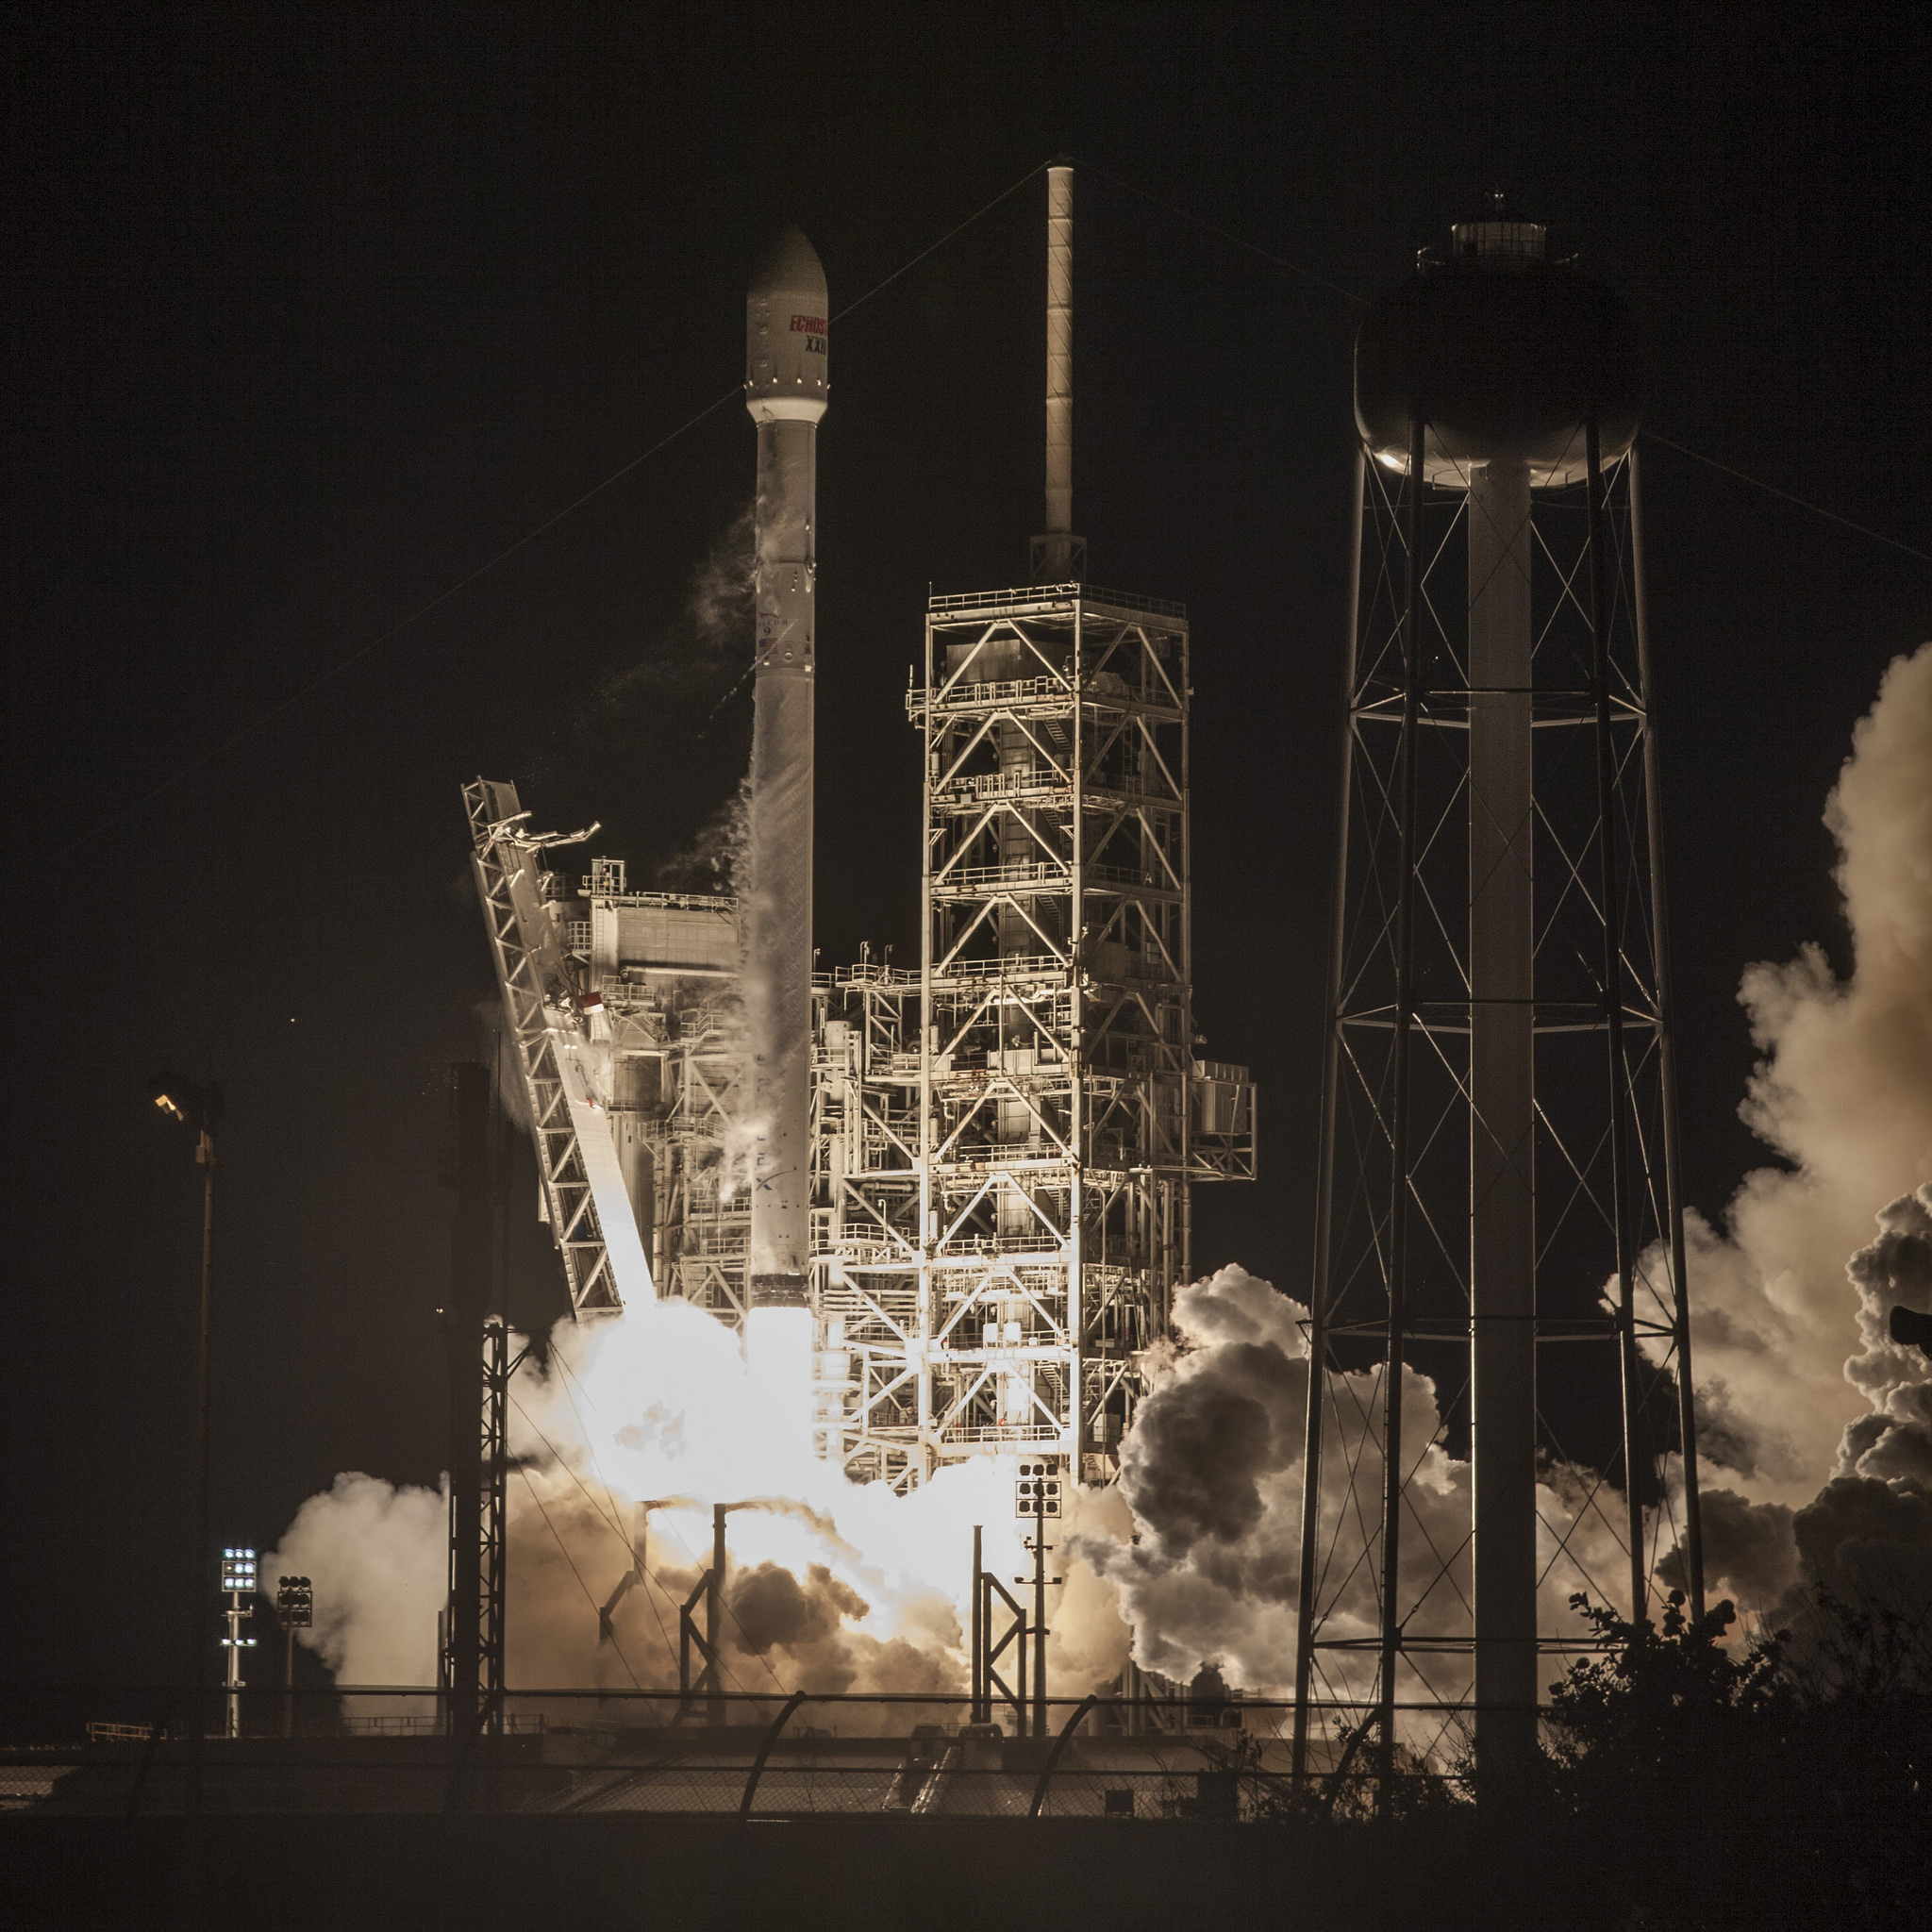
[(311, 311)]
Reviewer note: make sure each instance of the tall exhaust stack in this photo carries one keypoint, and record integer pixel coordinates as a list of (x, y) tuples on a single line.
[(785, 390), (1059, 556)]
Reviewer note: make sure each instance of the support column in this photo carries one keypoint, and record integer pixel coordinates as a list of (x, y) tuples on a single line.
[(1502, 1178), (472, 1240), (715, 1709)]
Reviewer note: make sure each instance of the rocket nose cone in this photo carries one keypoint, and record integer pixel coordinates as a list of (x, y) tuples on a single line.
[(790, 263)]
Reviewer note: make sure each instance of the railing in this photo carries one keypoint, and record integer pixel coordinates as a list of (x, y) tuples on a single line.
[(1109, 691), (666, 902), (699, 1243), (1015, 784), (1146, 1750), (970, 878), (979, 878), (1222, 1070), (1007, 966), (866, 975), (965, 696), (1053, 594)]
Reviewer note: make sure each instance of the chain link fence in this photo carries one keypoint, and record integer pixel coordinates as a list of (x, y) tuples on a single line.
[(375, 1749)]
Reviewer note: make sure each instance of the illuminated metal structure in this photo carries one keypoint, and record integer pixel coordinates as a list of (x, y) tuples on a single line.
[(1008, 1234), (1499, 1134), (1002, 1142), (623, 1016), (239, 1583)]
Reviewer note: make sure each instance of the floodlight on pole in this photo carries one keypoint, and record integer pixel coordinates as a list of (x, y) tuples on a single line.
[(1035, 1497), (198, 1106), (239, 1582), (294, 1610)]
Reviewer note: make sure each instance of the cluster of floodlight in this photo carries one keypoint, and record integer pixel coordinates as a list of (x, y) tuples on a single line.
[(294, 1602), (238, 1570), (1036, 1493)]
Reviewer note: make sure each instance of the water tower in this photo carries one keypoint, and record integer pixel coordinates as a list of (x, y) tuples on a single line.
[(1498, 1305)]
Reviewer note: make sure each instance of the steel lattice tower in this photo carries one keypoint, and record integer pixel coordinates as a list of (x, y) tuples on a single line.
[(1499, 1204), (1005, 1190)]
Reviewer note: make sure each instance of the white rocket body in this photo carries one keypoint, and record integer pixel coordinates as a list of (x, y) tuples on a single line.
[(785, 390)]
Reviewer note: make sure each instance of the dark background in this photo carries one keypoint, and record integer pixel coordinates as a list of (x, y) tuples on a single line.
[(313, 310)]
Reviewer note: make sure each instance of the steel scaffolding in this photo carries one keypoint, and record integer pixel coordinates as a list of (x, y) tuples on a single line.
[(1015, 1246), (1003, 1141)]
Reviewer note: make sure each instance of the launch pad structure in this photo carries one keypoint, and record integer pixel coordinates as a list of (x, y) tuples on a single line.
[(1002, 1144), (1003, 1141)]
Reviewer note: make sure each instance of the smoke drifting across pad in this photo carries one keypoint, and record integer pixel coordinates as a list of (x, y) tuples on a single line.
[(1212, 1472), (1799, 1387), (832, 1586), (1799, 1383)]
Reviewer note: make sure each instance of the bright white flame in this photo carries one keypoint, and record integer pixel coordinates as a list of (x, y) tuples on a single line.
[(779, 1377)]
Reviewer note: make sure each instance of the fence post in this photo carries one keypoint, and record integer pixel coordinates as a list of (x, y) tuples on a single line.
[(1053, 1756), (771, 1738)]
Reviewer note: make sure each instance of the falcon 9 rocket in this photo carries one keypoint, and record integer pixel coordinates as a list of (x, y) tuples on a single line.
[(785, 390)]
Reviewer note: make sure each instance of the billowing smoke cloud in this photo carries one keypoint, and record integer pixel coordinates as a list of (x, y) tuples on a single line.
[(377, 1557), (1212, 1472), (1798, 1382), (1786, 1356), (832, 1587), (1195, 1557)]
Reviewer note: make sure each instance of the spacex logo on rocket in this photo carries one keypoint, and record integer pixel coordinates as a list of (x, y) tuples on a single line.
[(814, 327)]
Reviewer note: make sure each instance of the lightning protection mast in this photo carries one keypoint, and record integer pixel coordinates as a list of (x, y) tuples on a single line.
[(1002, 1299), (1500, 1247)]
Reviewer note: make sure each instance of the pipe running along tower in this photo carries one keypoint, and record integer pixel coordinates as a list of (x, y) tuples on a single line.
[(1499, 1248)]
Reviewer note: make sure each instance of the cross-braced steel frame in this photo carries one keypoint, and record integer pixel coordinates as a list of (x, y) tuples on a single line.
[(535, 981), (1388, 1621), (866, 1141), (1000, 1266)]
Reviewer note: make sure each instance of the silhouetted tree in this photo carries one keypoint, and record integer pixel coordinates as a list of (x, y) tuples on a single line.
[(1783, 1780)]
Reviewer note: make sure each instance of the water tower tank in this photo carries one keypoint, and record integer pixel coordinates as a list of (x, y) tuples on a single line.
[(1502, 353)]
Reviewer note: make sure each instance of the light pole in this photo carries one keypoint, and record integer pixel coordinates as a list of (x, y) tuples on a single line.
[(239, 1581), (295, 1610), (201, 1109), (1037, 1494)]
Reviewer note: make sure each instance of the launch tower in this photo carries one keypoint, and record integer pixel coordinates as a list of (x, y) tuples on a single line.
[(1007, 1242), (1001, 1142)]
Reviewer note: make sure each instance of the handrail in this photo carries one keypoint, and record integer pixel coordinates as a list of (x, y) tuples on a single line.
[(1053, 594)]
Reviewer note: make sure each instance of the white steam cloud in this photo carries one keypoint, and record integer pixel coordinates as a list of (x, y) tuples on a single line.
[(1798, 1384), (379, 1558), (1212, 1472), (832, 1586)]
